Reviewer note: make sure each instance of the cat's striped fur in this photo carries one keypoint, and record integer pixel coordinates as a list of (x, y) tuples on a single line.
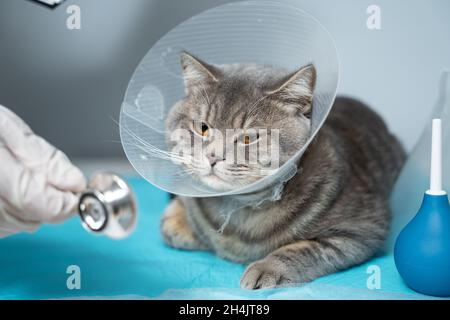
[(333, 213)]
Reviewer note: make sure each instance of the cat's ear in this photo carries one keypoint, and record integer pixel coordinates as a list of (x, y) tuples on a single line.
[(296, 89), (196, 73)]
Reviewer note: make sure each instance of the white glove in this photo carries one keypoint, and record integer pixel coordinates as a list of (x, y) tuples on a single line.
[(38, 183)]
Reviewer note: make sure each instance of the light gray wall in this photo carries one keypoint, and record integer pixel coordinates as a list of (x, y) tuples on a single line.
[(68, 85)]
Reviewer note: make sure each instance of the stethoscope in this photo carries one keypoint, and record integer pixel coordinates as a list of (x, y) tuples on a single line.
[(108, 206)]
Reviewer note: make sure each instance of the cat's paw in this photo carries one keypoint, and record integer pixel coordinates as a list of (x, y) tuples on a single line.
[(175, 229), (266, 273)]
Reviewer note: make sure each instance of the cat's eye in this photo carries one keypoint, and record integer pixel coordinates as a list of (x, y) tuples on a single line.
[(249, 138), (201, 128)]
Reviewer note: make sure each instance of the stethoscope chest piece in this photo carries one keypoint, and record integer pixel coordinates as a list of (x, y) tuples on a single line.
[(108, 206)]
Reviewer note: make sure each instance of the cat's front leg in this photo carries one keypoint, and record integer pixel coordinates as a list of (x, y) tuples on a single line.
[(304, 261), (176, 230)]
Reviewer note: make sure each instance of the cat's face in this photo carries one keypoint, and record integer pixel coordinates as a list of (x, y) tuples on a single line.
[(239, 123)]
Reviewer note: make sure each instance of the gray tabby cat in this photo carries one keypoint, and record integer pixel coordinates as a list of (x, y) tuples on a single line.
[(333, 213)]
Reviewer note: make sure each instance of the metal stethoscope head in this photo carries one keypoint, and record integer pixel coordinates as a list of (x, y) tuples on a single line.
[(108, 206)]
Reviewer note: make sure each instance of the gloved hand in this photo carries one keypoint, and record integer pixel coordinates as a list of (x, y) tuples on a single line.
[(38, 183)]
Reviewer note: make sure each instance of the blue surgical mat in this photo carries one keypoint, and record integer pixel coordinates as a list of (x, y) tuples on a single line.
[(34, 266)]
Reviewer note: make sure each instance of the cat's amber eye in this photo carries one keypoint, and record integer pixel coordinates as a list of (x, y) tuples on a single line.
[(201, 128), (205, 129), (249, 138)]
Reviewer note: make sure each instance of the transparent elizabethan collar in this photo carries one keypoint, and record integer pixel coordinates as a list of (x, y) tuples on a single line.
[(415, 176), (244, 32)]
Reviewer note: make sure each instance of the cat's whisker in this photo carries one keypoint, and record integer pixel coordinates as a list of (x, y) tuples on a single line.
[(154, 151), (204, 95), (253, 109)]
